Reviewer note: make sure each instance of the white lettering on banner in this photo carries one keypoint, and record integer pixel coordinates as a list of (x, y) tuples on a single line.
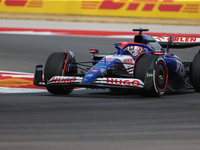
[(177, 39), (184, 39)]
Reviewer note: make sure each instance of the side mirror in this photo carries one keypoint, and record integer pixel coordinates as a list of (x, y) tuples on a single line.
[(94, 51)]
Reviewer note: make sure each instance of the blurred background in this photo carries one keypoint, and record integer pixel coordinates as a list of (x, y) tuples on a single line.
[(173, 12), (91, 119)]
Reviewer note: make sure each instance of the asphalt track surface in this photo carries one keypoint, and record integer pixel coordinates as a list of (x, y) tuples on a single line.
[(90, 119)]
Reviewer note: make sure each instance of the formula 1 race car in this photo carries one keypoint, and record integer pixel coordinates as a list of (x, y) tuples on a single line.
[(142, 66)]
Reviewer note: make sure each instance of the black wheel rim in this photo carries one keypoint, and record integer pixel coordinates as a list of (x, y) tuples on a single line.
[(161, 76)]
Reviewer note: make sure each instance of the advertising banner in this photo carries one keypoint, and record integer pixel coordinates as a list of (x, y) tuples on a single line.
[(185, 9)]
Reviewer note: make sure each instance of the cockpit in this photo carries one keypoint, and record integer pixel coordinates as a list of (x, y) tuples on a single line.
[(142, 43), (134, 50), (131, 48)]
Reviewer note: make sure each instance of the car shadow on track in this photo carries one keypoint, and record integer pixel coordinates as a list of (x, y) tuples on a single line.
[(107, 94)]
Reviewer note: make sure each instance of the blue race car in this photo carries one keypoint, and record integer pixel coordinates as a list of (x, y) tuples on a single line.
[(142, 67)]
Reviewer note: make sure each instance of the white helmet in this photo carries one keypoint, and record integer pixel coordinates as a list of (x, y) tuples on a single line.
[(134, 50)]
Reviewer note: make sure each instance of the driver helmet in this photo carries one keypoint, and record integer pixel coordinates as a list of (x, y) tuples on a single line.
[(135, 50)]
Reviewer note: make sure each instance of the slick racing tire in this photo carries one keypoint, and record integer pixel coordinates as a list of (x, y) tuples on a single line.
[(158, 83), (195, 73), (54, 67)]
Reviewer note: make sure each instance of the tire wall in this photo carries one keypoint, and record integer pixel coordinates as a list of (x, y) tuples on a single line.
[(184, 9)]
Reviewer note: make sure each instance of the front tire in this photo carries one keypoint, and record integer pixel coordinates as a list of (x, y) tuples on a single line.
[(195, 73), (54, 67), (159, 75)]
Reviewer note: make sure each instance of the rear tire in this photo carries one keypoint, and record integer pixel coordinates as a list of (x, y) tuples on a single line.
[(195, 73), (54, 67), (160, 75)]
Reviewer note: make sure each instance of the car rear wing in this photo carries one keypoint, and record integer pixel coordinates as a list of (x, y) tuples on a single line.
[(177, 42)]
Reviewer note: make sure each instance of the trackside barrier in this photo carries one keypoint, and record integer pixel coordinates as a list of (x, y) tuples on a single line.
[(183, 9)]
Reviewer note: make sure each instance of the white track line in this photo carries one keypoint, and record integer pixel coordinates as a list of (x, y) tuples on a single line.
[(27, 33), (20, 90)]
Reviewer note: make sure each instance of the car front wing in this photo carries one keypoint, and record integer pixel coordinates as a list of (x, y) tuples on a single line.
[(104, 82)]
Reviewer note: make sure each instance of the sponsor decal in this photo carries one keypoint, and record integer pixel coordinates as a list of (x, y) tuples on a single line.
[(109, 4), (148, 7), (89, 75), (191, 8), (125, 59), (123, 82), (94, 70), (62, 80), (89, 4), (109, 59), (16, 2), (170, 7), (23, 3), (159, 38), (178, 39), (133, 6), (149, 75), (159, 59), (158, 53), (128, 60), (127, 8), (142, 5), (120, 81), (182, 39), (35, 3)]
